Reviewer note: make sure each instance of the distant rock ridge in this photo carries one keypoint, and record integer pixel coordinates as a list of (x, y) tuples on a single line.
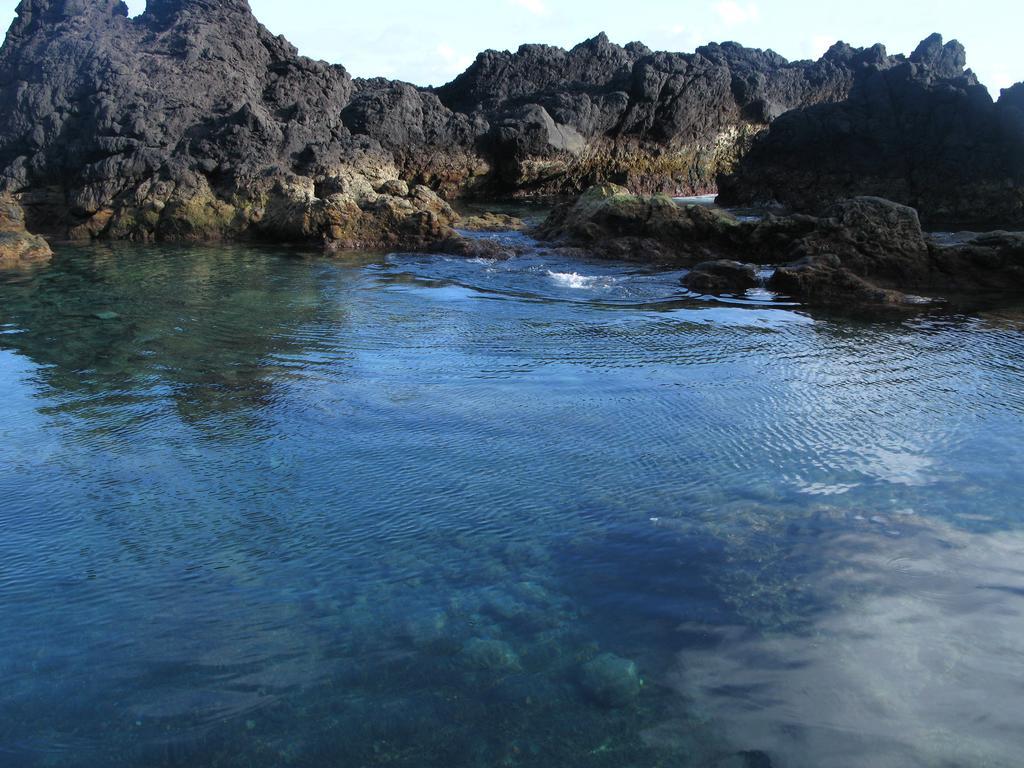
[(922, 132), (192, 121)]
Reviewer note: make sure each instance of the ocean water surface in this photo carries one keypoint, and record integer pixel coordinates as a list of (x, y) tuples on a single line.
[(267, 508)]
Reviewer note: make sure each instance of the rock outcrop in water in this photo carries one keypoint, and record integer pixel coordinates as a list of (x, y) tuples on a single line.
[(193, 122), (862, 250), (722, 276), (17, 246), (921, 131)]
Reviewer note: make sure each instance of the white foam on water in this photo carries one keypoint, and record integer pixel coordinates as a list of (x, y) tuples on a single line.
[(578, 281), (697, 200)]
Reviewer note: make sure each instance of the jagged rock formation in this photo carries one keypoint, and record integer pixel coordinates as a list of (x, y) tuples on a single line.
[(193, 122), (564, 120), (863, 250), (18, 247), (920, 131)]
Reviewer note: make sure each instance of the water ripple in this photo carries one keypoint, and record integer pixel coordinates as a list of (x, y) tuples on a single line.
[(305, 511)]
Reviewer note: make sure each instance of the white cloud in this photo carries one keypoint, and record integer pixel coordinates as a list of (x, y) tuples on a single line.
[(453, 62), (677, 37), (999, 80), (733, 13), (536, 7), (820, 44)]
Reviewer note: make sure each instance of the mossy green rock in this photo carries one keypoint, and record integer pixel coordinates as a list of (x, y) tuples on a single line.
[(613, 223), (491, 222)]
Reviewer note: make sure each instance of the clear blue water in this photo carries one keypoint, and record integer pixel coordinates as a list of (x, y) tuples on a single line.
[(261, 508)]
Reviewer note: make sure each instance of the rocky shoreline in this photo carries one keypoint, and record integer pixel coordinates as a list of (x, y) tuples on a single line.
[(193, 123), (865, 250)]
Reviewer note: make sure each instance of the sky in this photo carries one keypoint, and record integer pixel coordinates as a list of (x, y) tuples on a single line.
[(429, 43)]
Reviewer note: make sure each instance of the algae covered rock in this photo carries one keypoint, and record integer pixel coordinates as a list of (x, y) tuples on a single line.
[(491, 222), (614, 223), (611, 681), (18, 247)]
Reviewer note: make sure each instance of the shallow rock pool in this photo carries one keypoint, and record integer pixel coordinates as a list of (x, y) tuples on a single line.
[(266, 508)]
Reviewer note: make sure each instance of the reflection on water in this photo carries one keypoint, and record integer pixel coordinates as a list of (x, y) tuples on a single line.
[(920, 663), (261, 509)]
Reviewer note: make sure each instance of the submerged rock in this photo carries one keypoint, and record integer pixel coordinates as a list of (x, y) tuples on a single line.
[(430, 630), (478, 248), (18, 247), (490, 655), (611, 681)]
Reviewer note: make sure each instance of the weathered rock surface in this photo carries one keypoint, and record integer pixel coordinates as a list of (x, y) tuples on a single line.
[(613, 223), (491, 222), (561, 121), (920, 131), (863, 250), (17, 246), (722, 276), (193, 122)]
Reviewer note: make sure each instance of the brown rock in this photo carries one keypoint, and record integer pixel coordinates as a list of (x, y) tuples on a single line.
[(491, 222), (18, 247)]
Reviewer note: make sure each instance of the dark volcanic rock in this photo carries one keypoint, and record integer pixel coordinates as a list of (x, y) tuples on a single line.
[(920, 131), (993, 262), (611, 222), (873, 238), (863, 250), (871, 250), (824, 280), (722, 276), (667, 122), (193, 122)]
